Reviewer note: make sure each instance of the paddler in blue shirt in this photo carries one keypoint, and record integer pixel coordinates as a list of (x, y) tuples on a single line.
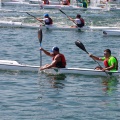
[(47, 20), (110, 62)]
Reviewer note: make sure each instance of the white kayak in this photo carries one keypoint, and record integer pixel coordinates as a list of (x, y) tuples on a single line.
[(15, 66), (111, 32), (51, 2), (18, 3), (41, 2), (51, 27), (64, 7), (10, 65), (80, 71)]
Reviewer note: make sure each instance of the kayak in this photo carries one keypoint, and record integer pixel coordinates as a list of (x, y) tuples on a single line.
[(17, 25), (41, 2), (80, 71), (51, 2), (18, 3), (64, 7), (15, 66), (10, 65), (111, 32), (51, 27)]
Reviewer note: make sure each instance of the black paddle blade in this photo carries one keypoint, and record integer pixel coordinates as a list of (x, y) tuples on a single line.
[(80, 45), (40, 35)]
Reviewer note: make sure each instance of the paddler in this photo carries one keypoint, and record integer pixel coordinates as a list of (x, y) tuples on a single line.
[(110, 62), (78, 20), (85, 3), (48, 20), (58, 59), (46, 2), (65, 2)]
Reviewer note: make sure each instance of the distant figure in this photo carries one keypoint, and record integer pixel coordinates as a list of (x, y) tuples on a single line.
[(47, 20), (79, 21), (46, 2), (58, 59), (110, 62), (65, 2), (85, 4)]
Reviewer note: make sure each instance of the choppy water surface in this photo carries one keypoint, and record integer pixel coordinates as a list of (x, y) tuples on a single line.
[(72, 97)]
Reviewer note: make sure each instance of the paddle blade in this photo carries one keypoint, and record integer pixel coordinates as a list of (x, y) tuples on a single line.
[(40, 35), (81, 46)]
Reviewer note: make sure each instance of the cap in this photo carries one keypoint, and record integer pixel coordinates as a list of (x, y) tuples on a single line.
[(55, 49), (46, 15), (78, 16)]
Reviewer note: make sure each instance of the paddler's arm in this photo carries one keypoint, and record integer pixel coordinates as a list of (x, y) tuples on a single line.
[(95, 57), (41, 20), (71, 18), (47, 53), (53, 64), (109, 68)]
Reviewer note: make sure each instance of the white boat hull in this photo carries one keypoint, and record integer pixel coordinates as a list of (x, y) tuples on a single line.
[(41, 2), (111, 32), (80, 71), (10, 65), (15, 66), (52, 27), (64, 7)]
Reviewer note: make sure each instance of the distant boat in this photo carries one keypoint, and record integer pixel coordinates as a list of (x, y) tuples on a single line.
[(65, 7), (115, 32)]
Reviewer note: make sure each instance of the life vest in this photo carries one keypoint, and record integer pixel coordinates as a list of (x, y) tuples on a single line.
[(117, 63), (107, 65), (82, 21), (62, 63), (50, 21)]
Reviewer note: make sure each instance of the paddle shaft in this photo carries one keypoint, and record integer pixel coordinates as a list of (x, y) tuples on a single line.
[(40, 57), (94, 59), (67, 16), (35, 18)]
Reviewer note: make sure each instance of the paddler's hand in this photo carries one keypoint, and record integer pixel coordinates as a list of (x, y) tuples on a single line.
[(41, 49), (104, 69), (90, 55), (42, 68)]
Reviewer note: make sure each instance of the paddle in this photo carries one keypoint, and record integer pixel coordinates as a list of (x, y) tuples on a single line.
[(81, 46), (67, 16), (35, 18), (40, 41)]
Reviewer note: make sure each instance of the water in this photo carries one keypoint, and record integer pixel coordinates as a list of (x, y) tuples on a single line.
[(26, 95)]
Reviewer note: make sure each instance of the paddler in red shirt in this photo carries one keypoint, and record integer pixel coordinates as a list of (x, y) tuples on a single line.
[(58, 59), (46, 2)]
